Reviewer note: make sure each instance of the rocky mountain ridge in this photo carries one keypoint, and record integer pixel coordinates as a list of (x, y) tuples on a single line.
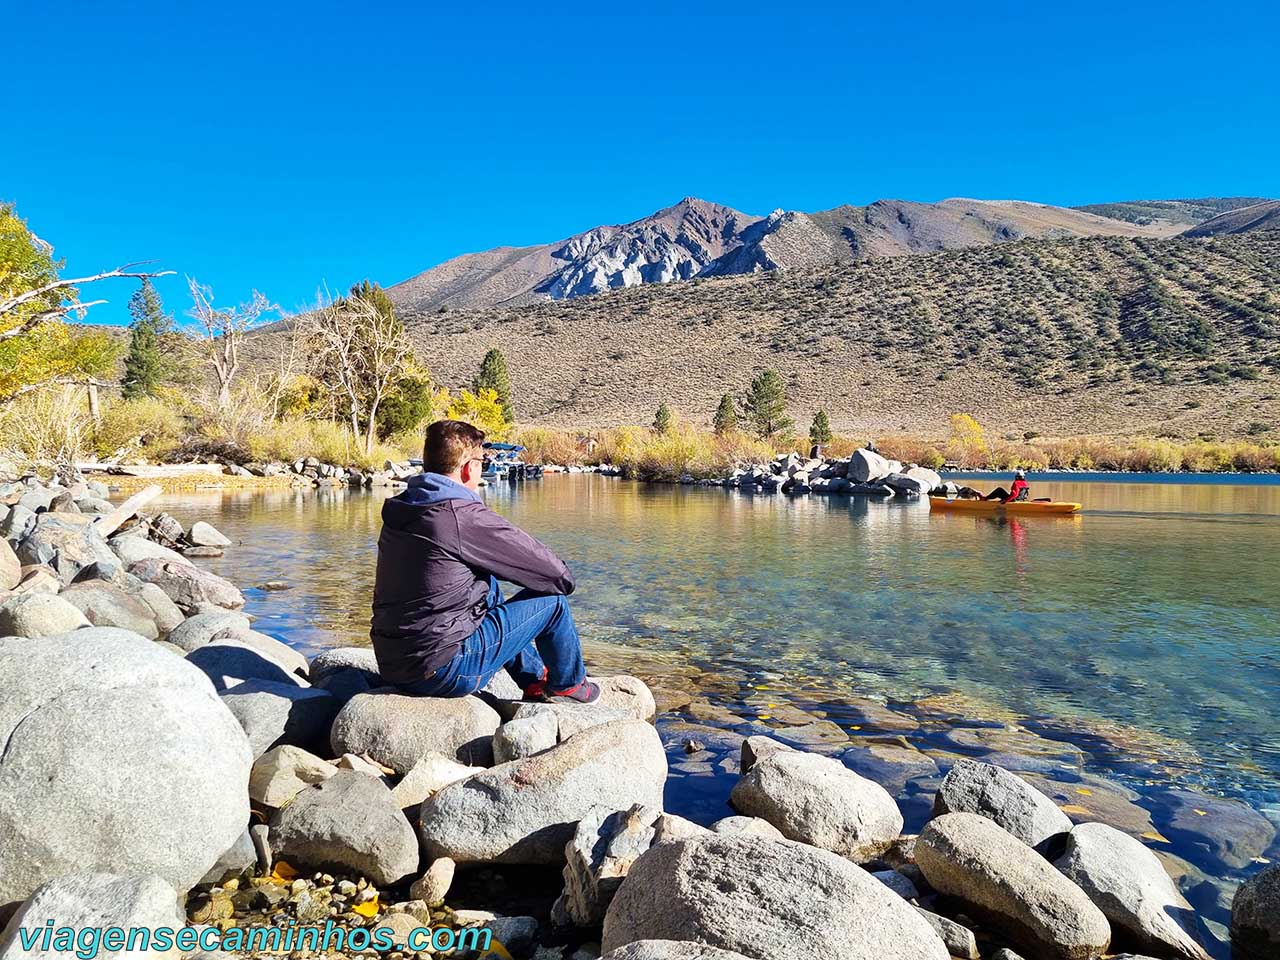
[(696, 238)]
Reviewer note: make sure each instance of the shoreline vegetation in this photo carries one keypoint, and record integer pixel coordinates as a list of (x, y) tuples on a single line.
[(943, 826)]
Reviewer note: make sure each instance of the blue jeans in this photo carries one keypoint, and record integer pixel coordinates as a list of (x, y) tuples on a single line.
[(531, 634)]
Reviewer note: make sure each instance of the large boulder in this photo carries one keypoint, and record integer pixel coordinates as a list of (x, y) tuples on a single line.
[(1255, 915), (1003, 798), (817, 800), (351, 821), (95, 902), (1127, 883), (867, 466), (339, 659), (116, 752), (928, 477), (670, 950), (274, 714), (765, 899), (282, 773), (229, 662), (187, 585), (1006, 883), (204, 534), (525, 811), (163, 610), (106, 605), (39, 615), (271, 648), (132, 549), (197, 630), (69, 543), (604, 846), (398, 730)]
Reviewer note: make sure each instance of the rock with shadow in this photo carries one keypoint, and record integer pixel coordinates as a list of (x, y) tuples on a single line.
[(765, 899), (526, 811), (397, 730), (1127, 883)]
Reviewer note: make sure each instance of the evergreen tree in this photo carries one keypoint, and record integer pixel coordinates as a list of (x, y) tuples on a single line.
[(146, 367), (493, 376), (662, 420), (726, 418), (765, 405), (820, 430)]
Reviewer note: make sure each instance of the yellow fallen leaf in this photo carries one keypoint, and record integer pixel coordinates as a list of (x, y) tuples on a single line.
[(1084, 791), (856, 728), (1200, 813), (1155, 835), (1075, 808), (283, 872), (764, 716), (367, 909), (496, 949)]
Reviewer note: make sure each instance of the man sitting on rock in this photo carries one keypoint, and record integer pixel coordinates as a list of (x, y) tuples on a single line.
[(441, 627)]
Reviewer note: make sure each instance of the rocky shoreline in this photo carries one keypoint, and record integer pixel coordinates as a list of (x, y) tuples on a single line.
[(165, 759)]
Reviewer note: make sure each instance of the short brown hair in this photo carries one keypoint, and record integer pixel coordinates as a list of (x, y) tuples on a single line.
[(449, 444)]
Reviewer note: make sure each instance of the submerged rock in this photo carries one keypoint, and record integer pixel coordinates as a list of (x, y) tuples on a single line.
[(525, 811), (1222, 834), (204, 534), (816, 800), (765, 899), (1010, 886)]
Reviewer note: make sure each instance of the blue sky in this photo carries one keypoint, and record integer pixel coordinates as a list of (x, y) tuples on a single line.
[(285, 145)]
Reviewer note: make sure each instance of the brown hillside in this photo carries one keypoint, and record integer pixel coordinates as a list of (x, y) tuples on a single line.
[(1095, 335), (1260, 216)]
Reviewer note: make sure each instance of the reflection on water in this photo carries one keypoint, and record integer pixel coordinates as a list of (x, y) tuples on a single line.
[(1158, 608)]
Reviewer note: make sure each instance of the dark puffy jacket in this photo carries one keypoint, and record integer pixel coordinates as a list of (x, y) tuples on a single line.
[(438, 549)]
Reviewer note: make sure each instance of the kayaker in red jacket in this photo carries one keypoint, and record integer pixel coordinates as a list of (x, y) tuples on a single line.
[(1020, 490)]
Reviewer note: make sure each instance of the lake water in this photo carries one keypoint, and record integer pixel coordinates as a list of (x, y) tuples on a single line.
[(1153, 617)]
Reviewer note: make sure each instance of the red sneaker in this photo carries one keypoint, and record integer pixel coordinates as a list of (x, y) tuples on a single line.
[(585, 692)]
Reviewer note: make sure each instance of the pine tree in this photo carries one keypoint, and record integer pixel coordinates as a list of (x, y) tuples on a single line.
[(146, 368), (663, 420), (820, 430), (765, 405), (726, 418), (493, 376)]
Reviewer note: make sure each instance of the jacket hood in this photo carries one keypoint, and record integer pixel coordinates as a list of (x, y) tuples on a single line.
[(424, 490)]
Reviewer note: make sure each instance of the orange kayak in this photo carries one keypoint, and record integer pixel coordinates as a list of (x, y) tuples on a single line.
[(1020, 507)]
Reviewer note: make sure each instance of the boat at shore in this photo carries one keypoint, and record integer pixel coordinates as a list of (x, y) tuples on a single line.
[(1017, 507)]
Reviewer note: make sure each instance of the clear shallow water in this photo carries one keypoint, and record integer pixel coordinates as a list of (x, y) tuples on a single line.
[(1156, 612)]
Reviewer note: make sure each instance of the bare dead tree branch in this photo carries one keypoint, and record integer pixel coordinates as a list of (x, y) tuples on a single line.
[(223, 330), (11, 304)]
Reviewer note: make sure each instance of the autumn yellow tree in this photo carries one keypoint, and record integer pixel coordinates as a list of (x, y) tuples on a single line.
[(482, 409), (968, 443), (37, 346)]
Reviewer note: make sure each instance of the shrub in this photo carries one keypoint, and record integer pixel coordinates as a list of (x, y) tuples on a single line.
[(911, 450), (46, 428), (550, 446), (145, 425)]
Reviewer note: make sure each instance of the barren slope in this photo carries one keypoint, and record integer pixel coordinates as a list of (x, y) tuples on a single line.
[(1095, 335), (1260, 216)]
